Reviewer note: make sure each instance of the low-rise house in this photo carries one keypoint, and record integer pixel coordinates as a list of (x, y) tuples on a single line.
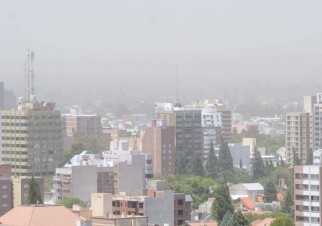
[(42, 215), (246, 190)]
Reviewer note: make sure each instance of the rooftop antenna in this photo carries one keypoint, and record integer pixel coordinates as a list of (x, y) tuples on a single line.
[(177, 83), (28, 76), (32, 56), (29, 68)]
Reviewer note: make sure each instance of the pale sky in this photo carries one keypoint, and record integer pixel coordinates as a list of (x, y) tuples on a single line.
[(114, 45)]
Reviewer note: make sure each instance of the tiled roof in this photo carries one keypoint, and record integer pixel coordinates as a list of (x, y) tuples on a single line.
[(248, 202), (42, 215)]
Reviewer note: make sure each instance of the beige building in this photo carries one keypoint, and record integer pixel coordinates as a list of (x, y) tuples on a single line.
[(307, 195), (297, 136), (159, 140), (20, 188), (31, 138)]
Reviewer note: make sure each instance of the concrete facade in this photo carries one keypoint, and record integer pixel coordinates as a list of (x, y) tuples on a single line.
[(160, 142), (31, 139), (240, 154), (188, 132), (297, 136), (307, 195)]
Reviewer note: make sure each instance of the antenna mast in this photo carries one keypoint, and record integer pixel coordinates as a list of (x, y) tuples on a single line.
[(177, 83), (30, 74)]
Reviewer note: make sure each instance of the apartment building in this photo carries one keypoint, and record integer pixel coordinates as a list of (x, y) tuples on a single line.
[(81, 181), (161, 206), (5, 189), (211, 129), (297, 136), (188, 132), (7, 98), (307, 195), (31, 138), (317, 123), (159, 140)]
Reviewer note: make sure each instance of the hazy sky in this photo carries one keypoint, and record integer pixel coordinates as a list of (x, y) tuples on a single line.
[(113, 46)]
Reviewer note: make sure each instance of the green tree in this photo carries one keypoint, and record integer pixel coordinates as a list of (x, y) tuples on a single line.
[(288, 202), (282, 221), (181, 164), (238, 219), (200, 188), (296, 158), (240, 163), (270, 192), (225, 161), (211, 163), (33, 196), (68, 203), (226, 219), (222, 202), (257, 165), (197, 167)]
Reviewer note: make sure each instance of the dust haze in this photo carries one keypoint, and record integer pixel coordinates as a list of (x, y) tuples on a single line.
[(127, 51)]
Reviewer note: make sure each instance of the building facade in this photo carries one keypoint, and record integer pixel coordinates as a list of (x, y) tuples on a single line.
[(307, 195), (297, 137), (159, 140), (31, 138), (188, 132)]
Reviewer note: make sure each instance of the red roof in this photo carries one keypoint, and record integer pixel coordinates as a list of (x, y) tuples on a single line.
[(42, 215), (248, 202)]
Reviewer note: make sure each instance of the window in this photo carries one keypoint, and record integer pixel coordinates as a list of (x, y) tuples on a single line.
[(4, 187)]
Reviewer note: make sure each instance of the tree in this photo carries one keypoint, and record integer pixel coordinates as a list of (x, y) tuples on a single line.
[(282, 221), (200, 188), (270, 192), (181, 164), (33, 196), (68, 203), (238, 219), (222, 202), (211, 163), (258, 169), (240, 164), (226, 219), (225, 161), (288, 202), (197, 167)]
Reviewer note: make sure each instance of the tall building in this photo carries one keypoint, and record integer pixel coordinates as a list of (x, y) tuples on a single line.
[(1, 95), (211, 129), (188, 132), (159, 140), (317, 123), (307, 195), (31, 138), (297, 136), (7, 98), (226, 129)]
